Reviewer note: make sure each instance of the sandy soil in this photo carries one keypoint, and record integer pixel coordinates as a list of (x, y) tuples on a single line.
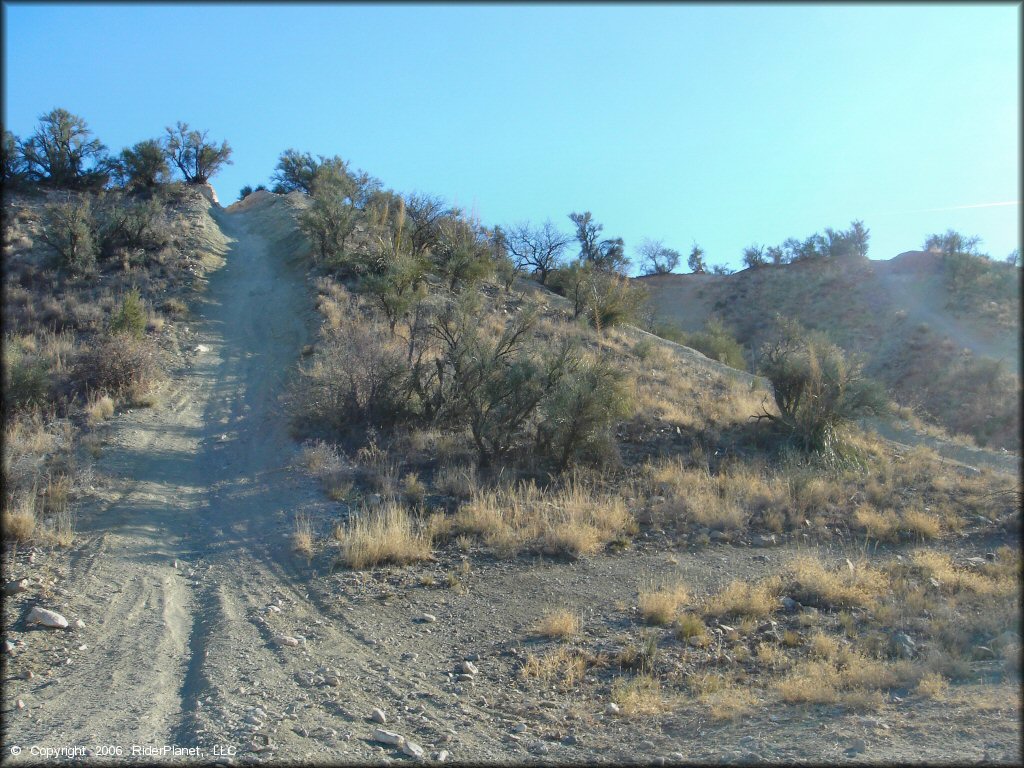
[(184, 576)]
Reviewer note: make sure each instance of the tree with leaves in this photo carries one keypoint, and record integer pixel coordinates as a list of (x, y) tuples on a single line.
[(696, 260), (656, 259), (192, 153), (753, 256), (60, 150), (12, 163), (606, 255), (538, 249), (143, 166)]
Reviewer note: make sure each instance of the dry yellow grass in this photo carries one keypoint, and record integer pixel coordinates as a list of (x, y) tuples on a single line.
[(742, 599), (998, 579), (561, 623), (385, 535), (564, 665), (690, 625), (99, 409), (661, 605), (880, 526), (729, 703), (302, 535), (920, 524), (20, 519), (640, 695), (932, 685), (573, 520), (813, 584)]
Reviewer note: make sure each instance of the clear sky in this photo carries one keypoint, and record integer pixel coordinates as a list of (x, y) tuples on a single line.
[(717, 124)]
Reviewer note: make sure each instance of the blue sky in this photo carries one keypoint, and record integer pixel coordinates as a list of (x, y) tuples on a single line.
[(722, 125)]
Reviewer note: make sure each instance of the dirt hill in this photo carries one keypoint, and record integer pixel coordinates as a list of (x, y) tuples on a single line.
[(950, 353)]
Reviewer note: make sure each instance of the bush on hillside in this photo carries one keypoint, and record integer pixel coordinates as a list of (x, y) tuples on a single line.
[(68, 231), (119, 364), (816, 390), (130, 317)]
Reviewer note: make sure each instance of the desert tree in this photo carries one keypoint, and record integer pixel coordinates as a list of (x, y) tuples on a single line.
[(1013, 259), (329, 221), (607, 255), (695, 261), (68, 230), (425, 215), (721, 269), (953, 242), (12, 162), (300, 171), (191, 152), (753, 256), (143, 166), (858, 235), (461, 256), (59, 151), (538, 249), (656, 259)]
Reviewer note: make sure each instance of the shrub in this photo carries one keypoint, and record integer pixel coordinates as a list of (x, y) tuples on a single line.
[(124, 225), (130, 317), (815, 388), (578, 417), (68, 231), (26, 379), (717, 343), (661, 606), (118, 364)]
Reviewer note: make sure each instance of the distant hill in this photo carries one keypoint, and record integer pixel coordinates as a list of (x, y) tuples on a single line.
[(942, 335)]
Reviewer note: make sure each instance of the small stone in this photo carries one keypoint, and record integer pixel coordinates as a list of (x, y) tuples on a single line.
[(470, 668), (20, 704), (789, 605), (857, 746), (464, 678), (765, 541), (412, 749), (28, 674), (426, 618), (14, 587), (441, 756), (378, 716), (520, 728), (612, 708), (472, 657), (273, 609), (332, 680), (287, 640), (388, 737), (8, 646), (47, 618), (718, 536), (79, 624)]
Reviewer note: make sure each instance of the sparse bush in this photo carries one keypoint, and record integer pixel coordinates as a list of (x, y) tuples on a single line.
[(119, 364), (123, 225), (68, 231), (26, 379), (815, 388), (143, 166), (193, 154), (57, 152), (561, 623), (717, 343)]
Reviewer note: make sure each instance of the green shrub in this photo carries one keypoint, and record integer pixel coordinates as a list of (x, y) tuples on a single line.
[(717, 343), (130, 317), (815, 388), (133, 226), (578, 417), (26, 379)]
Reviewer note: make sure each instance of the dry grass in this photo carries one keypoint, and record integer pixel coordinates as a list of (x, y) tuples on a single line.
[(563, 665), (573, 520), (742, 599), (920, 524), (811, 583), (932, 685), (323, 461), (640, 695), (560, 623), (460, 482), (20, 518), (99, 409), (690, 625), (879, 526), (302, 535), (997, 579), (661, 605), (385, 535), (729, 703)]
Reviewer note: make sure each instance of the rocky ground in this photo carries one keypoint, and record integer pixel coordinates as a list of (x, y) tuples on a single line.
[(193, 625)]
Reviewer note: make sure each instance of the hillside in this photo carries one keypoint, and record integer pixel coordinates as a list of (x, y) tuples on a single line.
[(952, 355), (359, 517)]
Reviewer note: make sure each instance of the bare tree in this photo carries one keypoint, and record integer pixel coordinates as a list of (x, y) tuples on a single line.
[(656, 259), (539, 249), (193, 155)]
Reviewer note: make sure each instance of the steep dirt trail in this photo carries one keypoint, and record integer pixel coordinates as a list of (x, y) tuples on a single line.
[(174, 574)]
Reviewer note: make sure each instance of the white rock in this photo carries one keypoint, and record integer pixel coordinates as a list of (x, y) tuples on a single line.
[(612, 708), (412, 749), (520, 728), (388, 737), (426, 618), (47, 618), (469, 668), (20, 704), (378, 716), (441, 756), (202, 348), (286, 640), (79, 624)]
